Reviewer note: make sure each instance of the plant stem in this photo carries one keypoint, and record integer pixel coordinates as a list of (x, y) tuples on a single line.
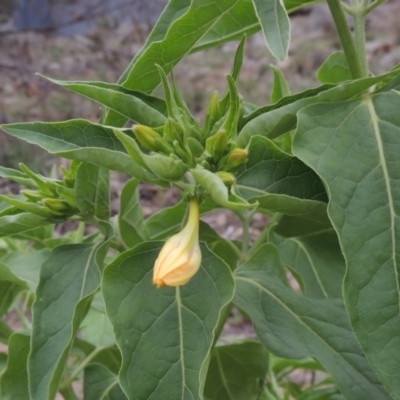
[(245, 218), (346, 38), (359, 29), (68, 393), (80, 367), (373, 5)]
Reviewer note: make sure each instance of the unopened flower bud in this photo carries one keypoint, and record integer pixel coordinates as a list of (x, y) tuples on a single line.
[(173, 131), (32, 195), (235, 158), (228, 178), (180, 257), (214, 112), (56, 205), (149, 139), (216, 144)]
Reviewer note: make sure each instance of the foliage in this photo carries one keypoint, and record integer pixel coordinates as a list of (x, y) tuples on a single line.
[(320, 284)]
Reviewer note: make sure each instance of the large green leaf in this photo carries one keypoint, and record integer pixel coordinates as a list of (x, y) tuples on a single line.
[(240, 20), (79, 140), (100, 383), (280, 118), (165, 335), (318, 259), (236, 372), (275, 24), (136, 106), (292, 325), (354, 146), (92, 190), (182, 35), (130, 218), (14, 381), (280, 182), (69, 277), (271, 170)]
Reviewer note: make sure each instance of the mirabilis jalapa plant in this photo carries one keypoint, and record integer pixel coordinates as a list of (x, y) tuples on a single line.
[(135, 307)]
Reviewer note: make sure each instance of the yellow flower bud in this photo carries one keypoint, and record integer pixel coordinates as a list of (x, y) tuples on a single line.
[(180, 257), (228, 178), (150, 139)]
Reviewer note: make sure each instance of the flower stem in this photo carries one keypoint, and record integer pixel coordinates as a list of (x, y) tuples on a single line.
[(346, 38)]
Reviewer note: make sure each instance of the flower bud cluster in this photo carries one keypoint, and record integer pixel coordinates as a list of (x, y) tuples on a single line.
[(48, 198), (181, 143)]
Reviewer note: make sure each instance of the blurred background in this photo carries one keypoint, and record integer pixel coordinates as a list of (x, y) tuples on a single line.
[(96, 39)]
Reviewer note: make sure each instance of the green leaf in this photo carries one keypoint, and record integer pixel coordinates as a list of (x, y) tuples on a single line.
[(221, 247), (275, 24), (133, 105), (240, 20), (319, 261), (142, 75), (174, 325), (166, 222), (132, 227), (69, 277), (354, 147), (27, 266), (7, 275), (96, 327), (280, 182), (20, 223), (14, 381), (8, 293), (99, 383), (92, 190), (335, 69), (281, 88), (270, 170), (79, 140), (280, 118), (292, 325), (237, 372), (218, 191)]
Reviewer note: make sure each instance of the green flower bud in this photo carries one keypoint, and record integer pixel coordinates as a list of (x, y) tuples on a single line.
[(216, 144), (214, 112), (57, 205), (228, 178), (167, 168), (32, 195), (236, 157), (150, 139), (173, 131), (195, 147)]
